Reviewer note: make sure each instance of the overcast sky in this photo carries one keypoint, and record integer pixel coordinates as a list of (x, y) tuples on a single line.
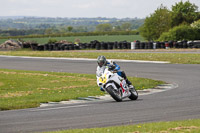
[(84, 8)]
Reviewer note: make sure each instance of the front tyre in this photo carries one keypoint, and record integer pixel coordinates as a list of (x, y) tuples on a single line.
[(115, 94), (134, 94)]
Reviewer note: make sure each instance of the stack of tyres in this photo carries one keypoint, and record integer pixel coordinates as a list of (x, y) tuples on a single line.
[(171, 44), (115, 46), (119, 45), (146, 45), (142, 45), (180, 44), (124, 45), (76, 47), (63, 47), (40, 48), (166, 44), (158, 45), (150, 45), (162, 45), (185, 44), (98, 46), (71, 46), (50, 47), (93, 44), (82, 45), (129, 45), (196, 44), (88, 45), (59, 46), (104, 45), (46, 47), (110, 45), (25, 45), (137, 45), (175, 44), (55, 46), (190, 44), (66, 47), (34, 46)]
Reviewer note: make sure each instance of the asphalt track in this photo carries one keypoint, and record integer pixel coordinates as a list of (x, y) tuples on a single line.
[(175, 104)]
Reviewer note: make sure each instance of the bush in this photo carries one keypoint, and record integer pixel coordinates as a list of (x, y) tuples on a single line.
[(52, 41), (196, 24), (181, 32)]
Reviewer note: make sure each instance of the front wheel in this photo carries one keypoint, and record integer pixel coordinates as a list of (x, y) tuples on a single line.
[(115, 94), (134, 94)]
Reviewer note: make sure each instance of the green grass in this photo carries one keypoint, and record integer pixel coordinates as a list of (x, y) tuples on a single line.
[(27, 89), (86, 39), (170, 57), (187, 126)]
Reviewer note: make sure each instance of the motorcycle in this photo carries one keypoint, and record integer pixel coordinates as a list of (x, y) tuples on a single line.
[(116, 86)]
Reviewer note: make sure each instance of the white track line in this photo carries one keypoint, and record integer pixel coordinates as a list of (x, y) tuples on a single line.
[(54, 108), (84, 59)]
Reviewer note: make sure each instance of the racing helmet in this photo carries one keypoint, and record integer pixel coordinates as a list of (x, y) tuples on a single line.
[(101, 60)]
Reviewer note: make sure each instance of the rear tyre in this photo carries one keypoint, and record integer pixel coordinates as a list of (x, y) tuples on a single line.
[(134, 94), (115, 94)]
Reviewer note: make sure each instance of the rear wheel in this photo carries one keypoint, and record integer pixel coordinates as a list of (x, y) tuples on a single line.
[(115, 94), (134, 94)]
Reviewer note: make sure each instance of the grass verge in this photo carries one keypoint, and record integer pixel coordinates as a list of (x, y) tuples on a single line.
[(187, 126), (26, 89), (170, 57)]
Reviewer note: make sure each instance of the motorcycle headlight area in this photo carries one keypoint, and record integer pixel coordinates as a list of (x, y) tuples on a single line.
[(103, 79)]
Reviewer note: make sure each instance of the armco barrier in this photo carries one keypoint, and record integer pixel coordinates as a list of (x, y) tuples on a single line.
[(116, 45)]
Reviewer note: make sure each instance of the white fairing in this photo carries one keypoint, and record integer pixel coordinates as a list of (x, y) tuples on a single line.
[(112, 84), (107, 78)]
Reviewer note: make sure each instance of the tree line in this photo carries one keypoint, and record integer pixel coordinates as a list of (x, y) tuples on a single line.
[(45, 26), (182, 22)]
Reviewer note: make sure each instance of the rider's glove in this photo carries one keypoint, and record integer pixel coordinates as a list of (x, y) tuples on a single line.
[(111, 67)]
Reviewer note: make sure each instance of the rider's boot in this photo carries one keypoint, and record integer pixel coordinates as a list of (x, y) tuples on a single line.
[(102, 89), (129, 83)]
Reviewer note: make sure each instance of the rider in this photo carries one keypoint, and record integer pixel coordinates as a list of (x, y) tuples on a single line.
[(102, 63)]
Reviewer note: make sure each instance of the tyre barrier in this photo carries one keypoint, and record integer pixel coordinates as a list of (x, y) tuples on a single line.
[(116, 45)]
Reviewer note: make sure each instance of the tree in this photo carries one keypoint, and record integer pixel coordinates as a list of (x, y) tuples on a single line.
[(104, 27), (117, 28), (126, 26), (70, 28), (196, 24), (156, 24), (184, 13), (48, 31)]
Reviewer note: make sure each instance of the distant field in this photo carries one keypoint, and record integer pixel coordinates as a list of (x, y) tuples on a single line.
[(85, 39)]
